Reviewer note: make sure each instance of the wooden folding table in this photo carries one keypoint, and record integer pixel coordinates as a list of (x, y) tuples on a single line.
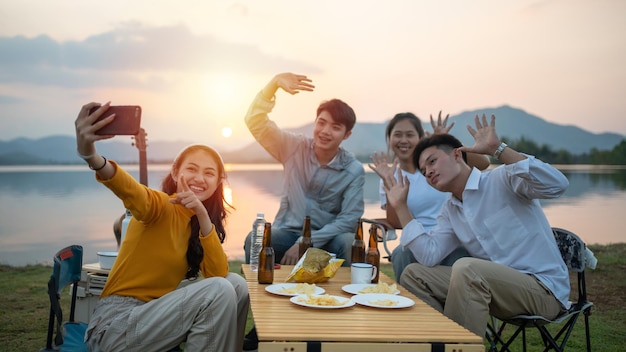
[(283, 326)]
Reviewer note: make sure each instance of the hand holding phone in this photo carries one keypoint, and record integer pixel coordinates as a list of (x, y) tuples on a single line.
[(127, 120)]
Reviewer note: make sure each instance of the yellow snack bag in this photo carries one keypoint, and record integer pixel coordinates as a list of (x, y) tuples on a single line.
[(300, 274)]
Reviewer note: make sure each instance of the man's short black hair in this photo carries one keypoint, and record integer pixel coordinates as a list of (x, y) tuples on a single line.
[(341, 112), (444, 141)]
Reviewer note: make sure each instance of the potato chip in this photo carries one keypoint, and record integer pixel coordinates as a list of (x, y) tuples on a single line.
[(322, 300), (301, 289), (384, 303), (381, 287)]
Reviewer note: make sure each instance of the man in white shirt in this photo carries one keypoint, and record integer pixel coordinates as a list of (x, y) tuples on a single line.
[(515, 265)]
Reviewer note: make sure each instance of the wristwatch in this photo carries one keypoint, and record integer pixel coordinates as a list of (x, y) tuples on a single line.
[(499, 150)]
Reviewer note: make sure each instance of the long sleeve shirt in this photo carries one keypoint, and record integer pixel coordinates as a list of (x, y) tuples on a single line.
[(500, 219), (152, 259), (332, 194)]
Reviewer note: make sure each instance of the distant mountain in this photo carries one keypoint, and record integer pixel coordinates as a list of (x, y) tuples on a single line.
[(366, 138), (515, 123), (58, 150)]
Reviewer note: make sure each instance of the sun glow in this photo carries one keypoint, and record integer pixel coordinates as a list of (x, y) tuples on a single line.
[(227, 132)]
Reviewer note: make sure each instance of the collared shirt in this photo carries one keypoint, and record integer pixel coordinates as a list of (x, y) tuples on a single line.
[(500, 219), (332, 194)]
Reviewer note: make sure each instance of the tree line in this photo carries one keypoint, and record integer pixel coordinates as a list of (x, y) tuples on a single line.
[(615, 156)]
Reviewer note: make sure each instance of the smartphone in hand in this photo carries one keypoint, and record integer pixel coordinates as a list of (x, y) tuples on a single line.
[(127, 120)]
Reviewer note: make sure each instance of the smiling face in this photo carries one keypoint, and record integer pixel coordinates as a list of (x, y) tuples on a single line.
[(201, 172), (328, 133), (402, 140)]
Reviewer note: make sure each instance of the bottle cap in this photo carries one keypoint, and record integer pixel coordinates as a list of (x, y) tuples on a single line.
[(260, 214)]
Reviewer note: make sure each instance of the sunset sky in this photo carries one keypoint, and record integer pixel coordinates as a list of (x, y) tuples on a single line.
[(194, 66)]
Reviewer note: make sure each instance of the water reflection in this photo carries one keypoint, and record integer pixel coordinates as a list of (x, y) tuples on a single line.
[(67, 181), (45, 208)]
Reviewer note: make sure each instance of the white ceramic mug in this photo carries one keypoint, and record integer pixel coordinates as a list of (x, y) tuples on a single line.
[(362, 273)]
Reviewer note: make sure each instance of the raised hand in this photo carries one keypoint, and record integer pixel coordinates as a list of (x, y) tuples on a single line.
[(397, 190), (441, 126), (381, 166), (86, 127), (293, 83), (485, 136)]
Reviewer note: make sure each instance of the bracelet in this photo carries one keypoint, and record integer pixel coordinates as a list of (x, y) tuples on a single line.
[(500, 150), (101, 167), (85, 157)]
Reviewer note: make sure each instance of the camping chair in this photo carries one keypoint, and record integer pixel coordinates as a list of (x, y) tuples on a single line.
[(576, 256), (385, 232), (67, 268)]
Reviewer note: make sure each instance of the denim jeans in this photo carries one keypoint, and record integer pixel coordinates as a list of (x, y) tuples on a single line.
[(283, 239)]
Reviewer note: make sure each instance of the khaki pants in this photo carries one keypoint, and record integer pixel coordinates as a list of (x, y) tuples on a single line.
[(473, 289), (208, 315)]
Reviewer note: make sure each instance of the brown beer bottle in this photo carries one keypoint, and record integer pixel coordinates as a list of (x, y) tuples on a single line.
[(373, 255), (266, 257), (307, 242), (358, 245)]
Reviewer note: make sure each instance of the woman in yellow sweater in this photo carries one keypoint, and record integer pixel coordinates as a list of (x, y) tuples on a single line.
[(174, 234)]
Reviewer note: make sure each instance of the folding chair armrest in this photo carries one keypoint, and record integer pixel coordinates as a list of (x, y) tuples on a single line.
[(379, 221), (388, 232)]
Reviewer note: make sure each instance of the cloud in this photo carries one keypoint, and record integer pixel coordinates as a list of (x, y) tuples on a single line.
[(132, 55)]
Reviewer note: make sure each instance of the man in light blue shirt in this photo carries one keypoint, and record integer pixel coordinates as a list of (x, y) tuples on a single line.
[(321, 179), (515, 265)]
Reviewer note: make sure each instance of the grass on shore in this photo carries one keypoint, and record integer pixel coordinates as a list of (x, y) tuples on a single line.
[(24, 306)]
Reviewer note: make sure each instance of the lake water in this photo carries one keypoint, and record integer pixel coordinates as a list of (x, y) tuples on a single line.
[(45, 208)]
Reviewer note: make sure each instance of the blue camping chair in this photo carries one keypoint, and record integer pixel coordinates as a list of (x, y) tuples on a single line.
[(69, 336)]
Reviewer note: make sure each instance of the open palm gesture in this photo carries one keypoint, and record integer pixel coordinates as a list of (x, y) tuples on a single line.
[(485, 136), (396, 189), (381, 166), (441, 127), (293, 83)]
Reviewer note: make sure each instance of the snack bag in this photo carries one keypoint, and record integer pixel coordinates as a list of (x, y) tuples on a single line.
[(316, 265)]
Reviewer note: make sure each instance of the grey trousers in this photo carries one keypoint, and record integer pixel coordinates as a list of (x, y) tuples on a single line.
[(208, 315), (473, 289)]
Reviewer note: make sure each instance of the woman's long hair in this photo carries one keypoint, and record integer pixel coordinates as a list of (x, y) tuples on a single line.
[(215, 206)]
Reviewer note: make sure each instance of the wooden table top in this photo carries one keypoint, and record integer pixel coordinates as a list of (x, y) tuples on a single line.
[(95, 268), (277, 319)]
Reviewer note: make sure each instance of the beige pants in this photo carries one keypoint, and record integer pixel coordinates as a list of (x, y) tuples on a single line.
[(473, 289), (208, 315)]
